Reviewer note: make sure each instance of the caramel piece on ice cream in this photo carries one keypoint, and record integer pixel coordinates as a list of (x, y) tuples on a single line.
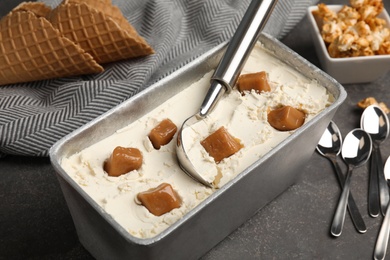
[(221, 144), (160, 200), (123, 160), (286, 118), (256, 81), (163, 133)]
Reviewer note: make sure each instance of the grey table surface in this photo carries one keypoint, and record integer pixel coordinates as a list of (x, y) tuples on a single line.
[(35, 222)]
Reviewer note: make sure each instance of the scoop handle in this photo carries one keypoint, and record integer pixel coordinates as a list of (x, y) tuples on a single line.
[(237, 52)]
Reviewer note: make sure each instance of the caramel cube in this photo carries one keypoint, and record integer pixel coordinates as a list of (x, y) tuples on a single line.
[(257, 81), (163, 133), (221, 144), (123, 160), (286, 118), (160, 200)]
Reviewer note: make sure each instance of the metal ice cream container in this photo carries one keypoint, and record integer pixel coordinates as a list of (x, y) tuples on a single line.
[(222, 212)]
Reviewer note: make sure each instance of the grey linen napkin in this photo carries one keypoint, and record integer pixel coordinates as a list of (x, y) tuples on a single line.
[(33, 116)]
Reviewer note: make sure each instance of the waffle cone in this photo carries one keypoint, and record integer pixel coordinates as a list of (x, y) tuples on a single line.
[(31, 49), (37, 8), (100, 30), (111, 11)]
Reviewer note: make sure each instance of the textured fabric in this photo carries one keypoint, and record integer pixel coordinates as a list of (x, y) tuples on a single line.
[(33, 116)]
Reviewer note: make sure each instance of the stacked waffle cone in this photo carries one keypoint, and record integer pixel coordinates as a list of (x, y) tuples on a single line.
[(75, 38)]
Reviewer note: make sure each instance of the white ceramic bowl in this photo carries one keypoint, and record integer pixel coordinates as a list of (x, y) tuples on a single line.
[(348, 70)]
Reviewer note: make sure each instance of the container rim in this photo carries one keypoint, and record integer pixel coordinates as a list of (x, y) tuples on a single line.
[(271, 43)]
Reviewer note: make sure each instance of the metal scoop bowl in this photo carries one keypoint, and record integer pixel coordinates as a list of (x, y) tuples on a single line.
[(226, 74)]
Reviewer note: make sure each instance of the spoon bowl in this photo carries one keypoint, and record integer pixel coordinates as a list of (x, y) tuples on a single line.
[(331, 141), (330, 146), (375, 122), (357, 148), (355, 151)]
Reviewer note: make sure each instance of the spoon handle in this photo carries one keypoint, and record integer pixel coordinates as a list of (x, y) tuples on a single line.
[(383, 188), (339, 216), (373, 193), (383, 237), (354, 212)]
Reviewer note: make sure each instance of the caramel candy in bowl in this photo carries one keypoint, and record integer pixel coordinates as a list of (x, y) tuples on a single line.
[(350, 39)]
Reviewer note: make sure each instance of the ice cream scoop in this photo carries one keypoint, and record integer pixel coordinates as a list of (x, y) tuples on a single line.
[(226, 74)]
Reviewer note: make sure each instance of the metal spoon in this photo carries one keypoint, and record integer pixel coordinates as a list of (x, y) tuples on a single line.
[(383, 237), (355, 151), (330, 147), (375, 122), (227, 72)]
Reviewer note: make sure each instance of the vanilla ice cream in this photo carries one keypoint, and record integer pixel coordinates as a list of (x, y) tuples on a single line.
[(244, 116)]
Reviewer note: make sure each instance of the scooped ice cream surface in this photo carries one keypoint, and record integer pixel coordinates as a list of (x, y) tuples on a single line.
[(244, 117)]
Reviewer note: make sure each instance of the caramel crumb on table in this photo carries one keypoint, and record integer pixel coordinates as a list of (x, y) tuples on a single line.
[(364, 103)]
